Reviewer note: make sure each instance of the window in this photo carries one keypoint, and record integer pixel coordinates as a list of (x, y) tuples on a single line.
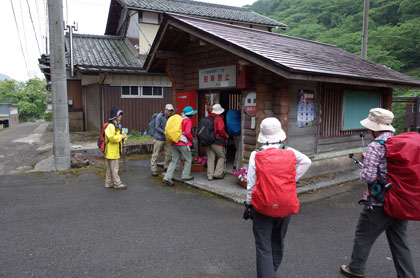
[(141, 92)]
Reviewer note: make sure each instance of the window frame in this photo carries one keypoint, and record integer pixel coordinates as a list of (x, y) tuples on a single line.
[(140, 91)]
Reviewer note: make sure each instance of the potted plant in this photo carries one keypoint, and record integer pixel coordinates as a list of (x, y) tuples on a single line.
[(242, 175), (198, 163)]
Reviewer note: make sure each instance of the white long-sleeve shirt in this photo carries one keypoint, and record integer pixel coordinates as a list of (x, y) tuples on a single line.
[(302, 165)]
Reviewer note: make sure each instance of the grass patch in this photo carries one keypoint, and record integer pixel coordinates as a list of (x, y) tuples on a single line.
[(142, 138)]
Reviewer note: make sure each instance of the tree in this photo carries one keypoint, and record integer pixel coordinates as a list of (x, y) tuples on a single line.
[(30, 95)]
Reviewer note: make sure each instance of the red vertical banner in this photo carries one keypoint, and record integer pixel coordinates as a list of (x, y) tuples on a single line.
[(187, 98)]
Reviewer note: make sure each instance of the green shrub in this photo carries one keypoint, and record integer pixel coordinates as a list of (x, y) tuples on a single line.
[(48, 117), (135, 133)]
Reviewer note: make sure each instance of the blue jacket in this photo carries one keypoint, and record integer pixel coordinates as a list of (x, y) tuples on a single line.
[(160, 125)]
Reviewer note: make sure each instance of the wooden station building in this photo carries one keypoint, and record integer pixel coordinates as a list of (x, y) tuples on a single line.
[(318, 91)]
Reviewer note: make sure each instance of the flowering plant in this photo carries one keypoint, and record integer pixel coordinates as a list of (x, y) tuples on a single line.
[(196, 159), (199, 160), (242, 173)]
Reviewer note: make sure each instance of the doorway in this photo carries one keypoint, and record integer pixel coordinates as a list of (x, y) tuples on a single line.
[(228, 99)]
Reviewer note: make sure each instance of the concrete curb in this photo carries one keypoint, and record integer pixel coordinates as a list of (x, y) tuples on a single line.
[(230, 189)]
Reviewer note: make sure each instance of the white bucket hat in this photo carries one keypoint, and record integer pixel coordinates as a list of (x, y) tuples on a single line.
[(271, 131), (379, 119), (217, 109)]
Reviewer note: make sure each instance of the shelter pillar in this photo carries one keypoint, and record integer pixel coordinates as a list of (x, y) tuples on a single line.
[(175, 70)]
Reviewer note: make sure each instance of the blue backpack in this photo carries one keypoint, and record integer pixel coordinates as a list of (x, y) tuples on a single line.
[(233, 122)]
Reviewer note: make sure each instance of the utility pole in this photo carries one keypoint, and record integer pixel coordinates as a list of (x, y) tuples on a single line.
[(365, 29), (61, 138)]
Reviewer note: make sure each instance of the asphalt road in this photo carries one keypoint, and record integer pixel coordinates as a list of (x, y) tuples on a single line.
[(23, 146), (68, 225)]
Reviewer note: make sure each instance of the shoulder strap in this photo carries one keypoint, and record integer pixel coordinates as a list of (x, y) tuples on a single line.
[(281, 146), (380, 141)]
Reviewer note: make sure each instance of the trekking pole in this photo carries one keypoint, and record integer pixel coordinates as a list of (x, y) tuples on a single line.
[(355, 159), (225, 150), (123, 155), (363, 139)]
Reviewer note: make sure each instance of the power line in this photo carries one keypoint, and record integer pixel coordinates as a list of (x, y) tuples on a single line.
[(21, 47), (67, 11), (33, 27), (24, 30), (39, 22), (46, 25)]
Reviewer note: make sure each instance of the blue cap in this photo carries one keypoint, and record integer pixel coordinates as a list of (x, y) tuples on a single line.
[(189, 111)]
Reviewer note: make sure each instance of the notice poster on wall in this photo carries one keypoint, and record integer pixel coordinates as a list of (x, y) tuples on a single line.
[(210, 100), (305, 111)]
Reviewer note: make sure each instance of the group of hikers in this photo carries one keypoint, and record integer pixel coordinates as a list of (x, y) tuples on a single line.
[(273, 171)]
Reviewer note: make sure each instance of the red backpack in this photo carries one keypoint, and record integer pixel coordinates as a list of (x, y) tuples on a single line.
[(101, 139), (275, 187), (402, 199)]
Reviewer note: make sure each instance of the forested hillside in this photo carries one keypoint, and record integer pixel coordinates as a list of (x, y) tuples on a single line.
[(394, 29)]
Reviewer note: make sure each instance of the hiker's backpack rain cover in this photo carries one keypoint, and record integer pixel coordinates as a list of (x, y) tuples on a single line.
[(173, 129), (233, 122), (402, 200), (101, 139), (274, 193)]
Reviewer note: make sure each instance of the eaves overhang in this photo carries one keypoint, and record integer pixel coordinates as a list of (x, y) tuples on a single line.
[(273, 66)]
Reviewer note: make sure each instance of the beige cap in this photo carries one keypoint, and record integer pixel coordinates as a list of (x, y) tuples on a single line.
[(271, 131), (169, 107), (379, 119)]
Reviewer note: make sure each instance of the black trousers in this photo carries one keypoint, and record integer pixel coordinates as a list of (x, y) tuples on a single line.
[(370, 226), (269, 233)]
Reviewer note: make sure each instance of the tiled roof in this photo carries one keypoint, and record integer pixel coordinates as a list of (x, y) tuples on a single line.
[(201, 9), (297, 55), (92, 51)]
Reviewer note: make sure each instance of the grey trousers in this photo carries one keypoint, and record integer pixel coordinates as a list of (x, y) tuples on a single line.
[(269, 233), (177, 151), (237, 141), (370, 226)]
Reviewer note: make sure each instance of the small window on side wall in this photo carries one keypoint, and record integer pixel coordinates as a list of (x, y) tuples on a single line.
[(141, 92), (125, 90)]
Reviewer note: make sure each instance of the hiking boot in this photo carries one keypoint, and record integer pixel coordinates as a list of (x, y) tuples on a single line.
[(121, 186), (345, 270), (190, 178), (220, 178), (109, 185), (169, 183), (154, 173)]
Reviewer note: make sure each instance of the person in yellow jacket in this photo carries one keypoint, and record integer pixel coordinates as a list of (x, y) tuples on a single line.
[(113, 140)]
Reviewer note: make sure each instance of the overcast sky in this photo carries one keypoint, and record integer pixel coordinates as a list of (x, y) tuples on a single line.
[(19, 57)]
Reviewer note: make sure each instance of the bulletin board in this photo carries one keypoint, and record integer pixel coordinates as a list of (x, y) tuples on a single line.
[(356, 107)]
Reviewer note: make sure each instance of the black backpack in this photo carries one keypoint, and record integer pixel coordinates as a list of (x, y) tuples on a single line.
[(206, 133)]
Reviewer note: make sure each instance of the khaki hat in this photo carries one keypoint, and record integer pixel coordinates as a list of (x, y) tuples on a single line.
[(379, 119), (271, 131)]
